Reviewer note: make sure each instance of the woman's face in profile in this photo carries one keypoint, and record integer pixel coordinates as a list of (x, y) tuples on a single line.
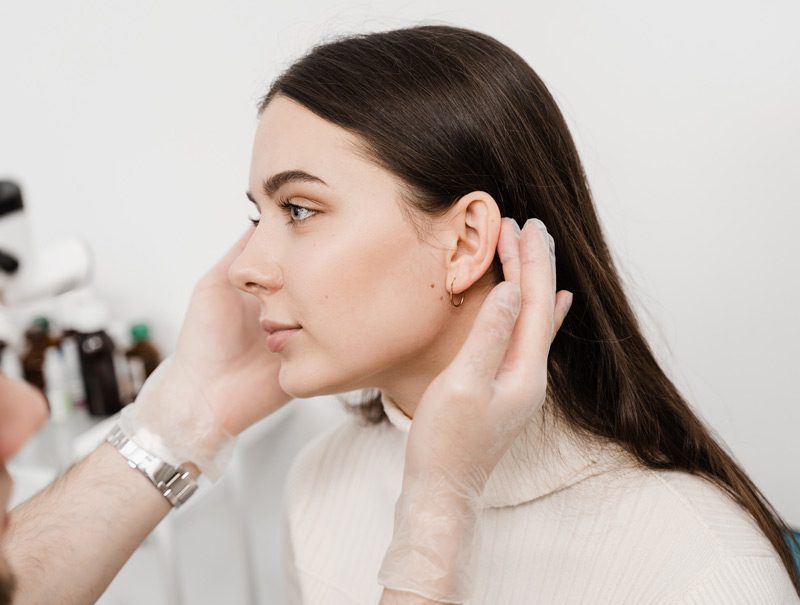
[(342, 262)]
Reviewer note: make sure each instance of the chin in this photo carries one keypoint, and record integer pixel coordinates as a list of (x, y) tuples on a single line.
[(302, 383)]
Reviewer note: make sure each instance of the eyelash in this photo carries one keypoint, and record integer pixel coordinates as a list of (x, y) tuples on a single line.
[(284, 205)]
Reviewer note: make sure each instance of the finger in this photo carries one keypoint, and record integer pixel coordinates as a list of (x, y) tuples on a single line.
[(486, 345), (508, 249), (220, 268), (533, 333), (236, 249), (563, 305)]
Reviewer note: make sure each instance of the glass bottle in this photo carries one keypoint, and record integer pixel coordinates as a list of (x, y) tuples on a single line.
[(143, 356)]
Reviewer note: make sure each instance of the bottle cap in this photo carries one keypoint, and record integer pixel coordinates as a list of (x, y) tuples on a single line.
[(40, 321), (116, 329), (140, 332), (91, 316)]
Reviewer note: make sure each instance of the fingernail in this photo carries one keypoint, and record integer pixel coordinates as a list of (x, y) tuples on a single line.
[(538, 223), (515, 224), (569, 302)]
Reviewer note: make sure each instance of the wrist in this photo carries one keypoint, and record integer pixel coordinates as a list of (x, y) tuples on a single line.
[(176, 483), (446, 477), (433, 543), (118, 475), (173, 420)]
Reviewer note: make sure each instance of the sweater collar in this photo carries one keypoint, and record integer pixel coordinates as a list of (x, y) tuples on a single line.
[(546, 456)]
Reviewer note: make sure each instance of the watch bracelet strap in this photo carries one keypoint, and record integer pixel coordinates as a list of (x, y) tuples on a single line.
[(175, 483)]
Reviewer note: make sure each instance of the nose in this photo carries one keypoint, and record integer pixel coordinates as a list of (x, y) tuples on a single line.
[(23, 409), (255, 271)]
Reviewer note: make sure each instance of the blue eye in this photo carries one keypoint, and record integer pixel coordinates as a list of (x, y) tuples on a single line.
[(289, 208)]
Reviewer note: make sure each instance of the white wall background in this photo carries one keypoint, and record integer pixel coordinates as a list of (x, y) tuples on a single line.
[(130, 125)]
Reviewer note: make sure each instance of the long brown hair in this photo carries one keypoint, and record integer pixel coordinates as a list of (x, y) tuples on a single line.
[(449, 111)]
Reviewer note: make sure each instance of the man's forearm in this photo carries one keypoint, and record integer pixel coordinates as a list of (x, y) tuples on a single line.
[(68, 542)]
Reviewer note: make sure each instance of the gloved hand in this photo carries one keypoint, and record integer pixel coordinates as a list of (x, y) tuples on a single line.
[(220, 380), (469, 416)]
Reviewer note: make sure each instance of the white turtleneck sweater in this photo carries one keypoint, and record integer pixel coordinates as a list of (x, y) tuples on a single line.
[(563, 520)]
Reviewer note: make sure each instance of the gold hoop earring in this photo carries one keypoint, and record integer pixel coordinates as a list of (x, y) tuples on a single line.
[(461, 302)]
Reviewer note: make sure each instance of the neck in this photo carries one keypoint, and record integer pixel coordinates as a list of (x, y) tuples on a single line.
[(410, 382)]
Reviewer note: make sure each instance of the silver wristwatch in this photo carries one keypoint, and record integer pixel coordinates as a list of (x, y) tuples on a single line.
[(176, 484)]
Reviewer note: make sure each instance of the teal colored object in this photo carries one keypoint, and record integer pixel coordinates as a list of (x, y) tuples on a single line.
[(794, 545), (42, 322), (140, 332)]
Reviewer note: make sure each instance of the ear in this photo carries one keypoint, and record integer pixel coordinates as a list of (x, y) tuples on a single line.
[(472, 232)]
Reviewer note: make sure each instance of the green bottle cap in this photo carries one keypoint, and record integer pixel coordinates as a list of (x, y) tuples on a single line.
[(140, 332), (41, 322)]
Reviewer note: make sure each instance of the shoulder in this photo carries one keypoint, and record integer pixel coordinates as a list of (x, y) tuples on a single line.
[(675, 504), (681, 532), (715, 513), (696, 532), (685, 507)]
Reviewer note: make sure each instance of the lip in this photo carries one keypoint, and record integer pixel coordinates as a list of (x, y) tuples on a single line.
[(278, 339), (273, 326)]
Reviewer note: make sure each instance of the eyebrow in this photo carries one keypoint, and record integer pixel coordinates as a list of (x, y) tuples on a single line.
[(276, 181)]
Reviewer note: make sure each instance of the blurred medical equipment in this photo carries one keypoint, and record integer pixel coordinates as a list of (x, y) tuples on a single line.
[(84, 359), (27, 274)]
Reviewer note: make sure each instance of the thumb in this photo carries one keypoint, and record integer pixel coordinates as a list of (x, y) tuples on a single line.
[(222, 266), (485, 347)]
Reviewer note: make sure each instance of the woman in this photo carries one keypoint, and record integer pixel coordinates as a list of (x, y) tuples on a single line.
[(381, 166)]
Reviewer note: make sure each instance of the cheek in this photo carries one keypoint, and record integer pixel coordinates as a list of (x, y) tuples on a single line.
[(368, 305)]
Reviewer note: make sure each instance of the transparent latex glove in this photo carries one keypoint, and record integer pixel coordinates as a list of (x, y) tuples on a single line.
[(469, 416), (220, 380)]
